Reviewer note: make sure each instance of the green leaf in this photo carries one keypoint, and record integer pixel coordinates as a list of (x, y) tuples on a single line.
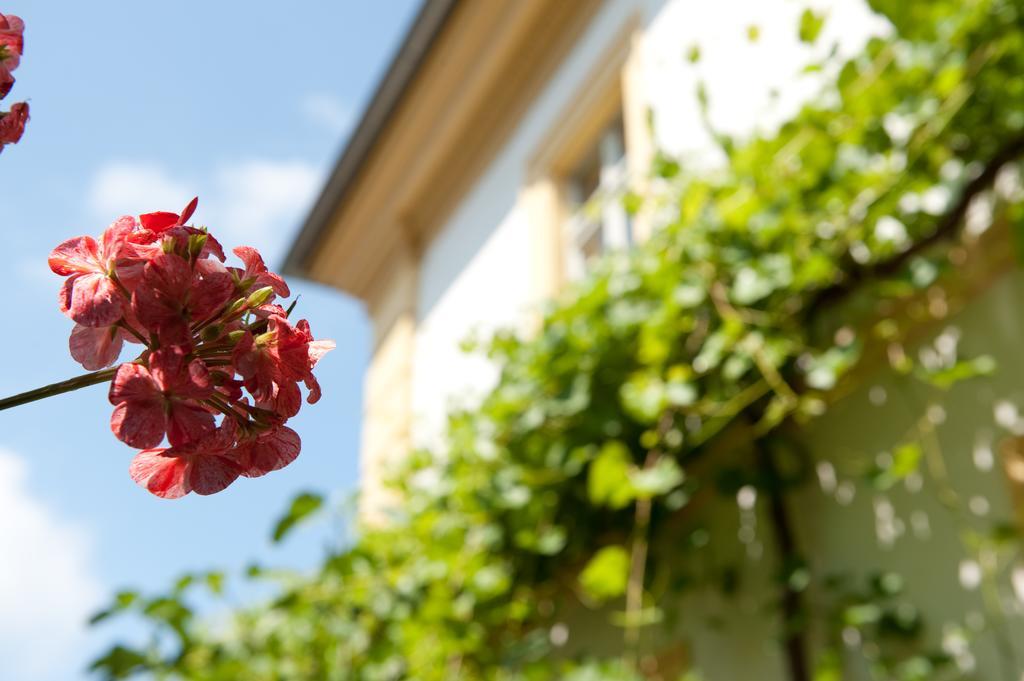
[(825, 370), (905, 460), (961, 371), (860, 615), (119, 662), (301, 508), (643, 397), (661, 478), (750, 286), (608, 478), (551, 540), (829, 667), (122, 601), (810, 26), (215, 582), (606, 574)]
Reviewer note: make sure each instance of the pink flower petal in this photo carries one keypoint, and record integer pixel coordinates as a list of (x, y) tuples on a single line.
[(114, 239), (164, 476), (12, 123), (189, 210), (313, 386), (257, 269), (211, 473), (210, 294), (188, 422), (95, 348), (317, 349), (138, 418), (270, 451), (138, 424), (285, 401), (77, 255), (159, 221), (94, 300)]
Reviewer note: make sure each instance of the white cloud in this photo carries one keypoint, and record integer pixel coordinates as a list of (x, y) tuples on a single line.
[(253, 202), (329, 112), (259, 203), (129, 188), (47, 585)]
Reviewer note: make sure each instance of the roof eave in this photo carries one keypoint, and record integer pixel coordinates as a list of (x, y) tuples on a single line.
[(421, 36)]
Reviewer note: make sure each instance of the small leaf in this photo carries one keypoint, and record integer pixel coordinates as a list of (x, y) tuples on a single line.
[(643, 397), (961, 371), (905, 461), (750, 286), (608, 478), (302, 507), (859, 615), (122, 601), (810, 26), (119, 662), (661, 478), (215, 582), (551, 540), (606, 574)]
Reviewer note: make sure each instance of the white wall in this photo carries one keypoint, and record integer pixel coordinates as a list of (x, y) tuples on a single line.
[(476, 274)]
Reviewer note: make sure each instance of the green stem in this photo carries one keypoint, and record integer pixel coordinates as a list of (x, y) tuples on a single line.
[(67, 386)]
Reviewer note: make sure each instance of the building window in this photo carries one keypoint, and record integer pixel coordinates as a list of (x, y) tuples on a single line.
[(598, 220)]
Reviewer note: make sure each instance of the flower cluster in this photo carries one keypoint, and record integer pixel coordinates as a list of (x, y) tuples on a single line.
[(215, 344), (12, 43)]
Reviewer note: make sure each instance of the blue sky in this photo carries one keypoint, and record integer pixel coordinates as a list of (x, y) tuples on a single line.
[(137, 107)]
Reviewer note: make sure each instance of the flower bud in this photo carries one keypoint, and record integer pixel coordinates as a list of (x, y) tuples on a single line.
[(234, 307), (212, 332), (236, 336), (196, 242), (259, 296)]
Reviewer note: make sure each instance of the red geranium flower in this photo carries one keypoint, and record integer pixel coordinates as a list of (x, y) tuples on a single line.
[(214, 345), (89, 294), (163, 399), (12, 40), (173, 296)]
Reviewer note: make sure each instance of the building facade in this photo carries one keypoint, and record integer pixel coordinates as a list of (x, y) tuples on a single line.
[(467, 195), (477, 184)]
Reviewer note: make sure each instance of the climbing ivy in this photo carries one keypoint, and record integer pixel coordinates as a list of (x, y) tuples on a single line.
[(682, 370)]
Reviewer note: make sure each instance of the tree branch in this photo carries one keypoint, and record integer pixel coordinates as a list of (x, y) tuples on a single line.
[(946, 228), (786, 545)]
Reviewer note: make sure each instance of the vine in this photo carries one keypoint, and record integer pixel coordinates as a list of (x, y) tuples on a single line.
[(678, 374)]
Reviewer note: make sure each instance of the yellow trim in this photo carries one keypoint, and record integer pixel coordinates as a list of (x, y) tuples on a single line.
[(613, 88), (387, 394)]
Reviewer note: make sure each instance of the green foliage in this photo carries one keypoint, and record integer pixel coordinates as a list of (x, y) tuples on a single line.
[(667, 374), (302, 506), (607, 574)]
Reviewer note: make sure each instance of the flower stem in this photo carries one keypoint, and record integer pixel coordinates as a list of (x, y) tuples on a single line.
[(57, 388)]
